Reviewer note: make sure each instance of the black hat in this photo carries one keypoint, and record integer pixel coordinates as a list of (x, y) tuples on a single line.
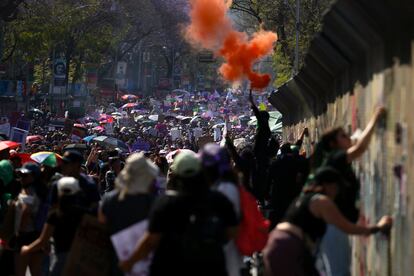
[(327, 175), (29, 168), (72, 156)]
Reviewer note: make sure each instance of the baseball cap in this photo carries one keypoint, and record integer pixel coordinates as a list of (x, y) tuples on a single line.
[(72, 156), (186, 164), (30, 167), (68, 186)]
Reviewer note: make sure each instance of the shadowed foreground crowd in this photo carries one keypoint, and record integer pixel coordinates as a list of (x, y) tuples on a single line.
[(199, 221)]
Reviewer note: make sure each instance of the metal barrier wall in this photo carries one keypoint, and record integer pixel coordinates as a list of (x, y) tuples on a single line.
[(363, 57)]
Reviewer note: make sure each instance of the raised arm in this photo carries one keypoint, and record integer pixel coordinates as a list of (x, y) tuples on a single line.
[(359, 148), (254, 107), (326, 209)]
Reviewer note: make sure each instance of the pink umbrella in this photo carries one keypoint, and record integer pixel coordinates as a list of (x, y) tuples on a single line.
[(99, 129), (33, 139), (129, 97), (79, 125), (129, 105)]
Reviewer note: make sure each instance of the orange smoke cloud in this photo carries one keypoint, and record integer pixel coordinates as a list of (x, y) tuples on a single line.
[(212, 29)]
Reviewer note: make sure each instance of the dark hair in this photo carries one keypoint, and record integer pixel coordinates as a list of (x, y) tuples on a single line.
[(322, 176), (265, 115), (193, 186), (323, 148)]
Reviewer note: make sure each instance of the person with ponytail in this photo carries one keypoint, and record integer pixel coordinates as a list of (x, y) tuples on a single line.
[(336, 150), (292, 245)]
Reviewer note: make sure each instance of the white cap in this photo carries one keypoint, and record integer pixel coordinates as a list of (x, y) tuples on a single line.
[(68, 186)]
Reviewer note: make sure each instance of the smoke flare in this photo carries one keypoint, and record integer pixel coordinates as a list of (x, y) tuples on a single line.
[(212, 29)]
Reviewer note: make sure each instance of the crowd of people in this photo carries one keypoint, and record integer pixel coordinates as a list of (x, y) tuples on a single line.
[(181, 164)]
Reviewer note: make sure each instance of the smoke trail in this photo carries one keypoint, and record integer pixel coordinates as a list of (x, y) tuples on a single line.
[(212, 29)]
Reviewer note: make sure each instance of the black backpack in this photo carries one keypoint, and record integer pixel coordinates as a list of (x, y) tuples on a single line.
[(203, 237)]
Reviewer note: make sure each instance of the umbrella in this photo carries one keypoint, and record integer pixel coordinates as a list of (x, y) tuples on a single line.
[(170, 156), (80, 147), (8, 145), (111, 142), (153, 118), (219, 125), (129, 97), (149, 123), (129, 105), (24, 157), (47, 158), (35, 110), (91, 124), (33, 139), (88, 139), (183, 119), (79, 126), (275, 121), (140, 117), (117, 114), (106, 117), (99, 129)]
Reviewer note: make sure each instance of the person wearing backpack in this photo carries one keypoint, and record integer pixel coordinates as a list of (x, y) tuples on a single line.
[(292, 244), (188, 227), (219, 174)]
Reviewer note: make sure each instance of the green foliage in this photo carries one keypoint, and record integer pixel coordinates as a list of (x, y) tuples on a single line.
[(280, 16), (282, 66)]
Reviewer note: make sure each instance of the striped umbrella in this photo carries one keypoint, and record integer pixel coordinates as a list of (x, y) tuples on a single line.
[(47, 158)]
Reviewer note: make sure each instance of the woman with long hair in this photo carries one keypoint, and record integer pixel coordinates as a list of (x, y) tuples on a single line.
[(292, 244), (337, 150)]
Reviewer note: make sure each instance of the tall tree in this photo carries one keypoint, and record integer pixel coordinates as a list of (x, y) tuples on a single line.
[(280, 16)]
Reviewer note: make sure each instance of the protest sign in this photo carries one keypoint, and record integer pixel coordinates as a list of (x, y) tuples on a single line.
[(90, 253), (125, 242), (175, 134), (19, 135), (5, 129)]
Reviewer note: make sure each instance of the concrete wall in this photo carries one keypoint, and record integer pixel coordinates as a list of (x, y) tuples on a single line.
[(362, 58)]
